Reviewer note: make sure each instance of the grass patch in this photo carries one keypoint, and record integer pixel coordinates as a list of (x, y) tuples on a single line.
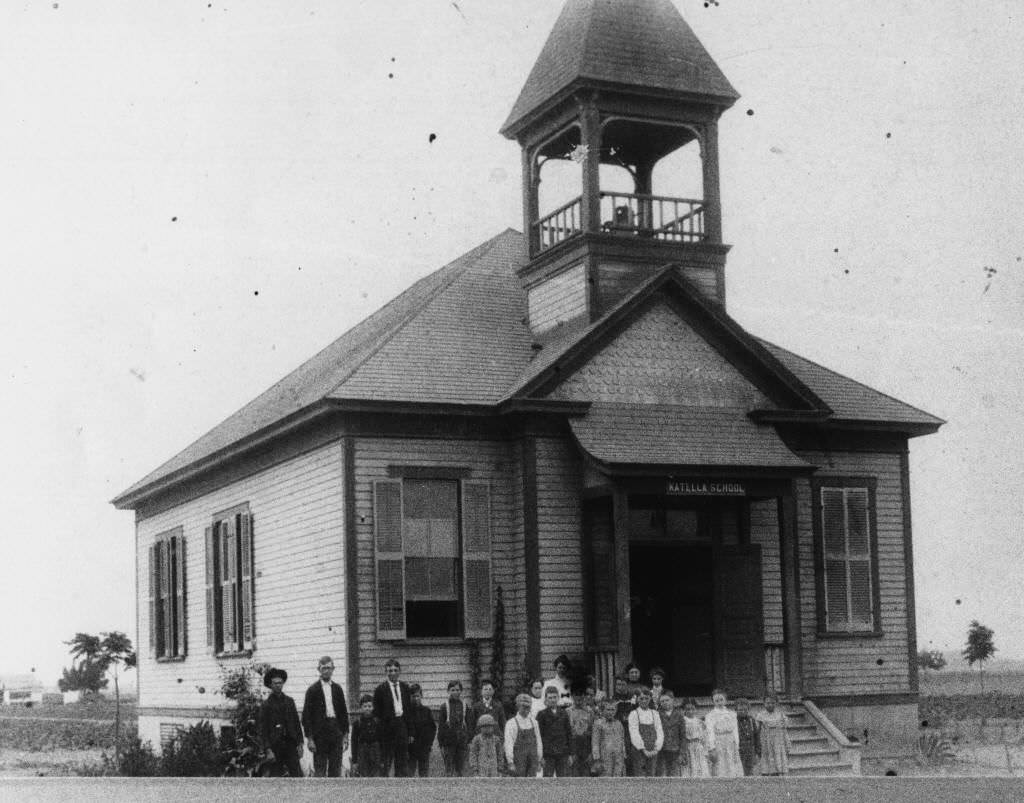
[(941, 710)]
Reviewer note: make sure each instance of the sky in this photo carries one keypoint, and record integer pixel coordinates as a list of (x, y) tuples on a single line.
[(198, 196)]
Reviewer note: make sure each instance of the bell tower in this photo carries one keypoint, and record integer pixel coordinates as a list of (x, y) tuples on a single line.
[(618, 125)]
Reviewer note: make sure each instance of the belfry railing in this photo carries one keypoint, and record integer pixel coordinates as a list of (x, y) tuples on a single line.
[(657, 216), (559, 225)]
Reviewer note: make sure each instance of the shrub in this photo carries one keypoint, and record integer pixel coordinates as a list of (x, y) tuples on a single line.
[(194, 753)]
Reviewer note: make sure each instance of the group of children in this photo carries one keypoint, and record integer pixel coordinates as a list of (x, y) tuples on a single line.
[(562, 730)]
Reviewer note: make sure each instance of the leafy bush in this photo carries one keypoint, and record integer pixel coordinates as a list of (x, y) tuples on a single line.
[(194, 753)]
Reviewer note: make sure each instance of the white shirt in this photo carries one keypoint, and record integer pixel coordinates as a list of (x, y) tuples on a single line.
[(325, 687), (645, 716), (396, 695), (512, 728)]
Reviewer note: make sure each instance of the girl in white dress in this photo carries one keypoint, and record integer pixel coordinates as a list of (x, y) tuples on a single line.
[(694, 755), (723, 739), (774, 738)]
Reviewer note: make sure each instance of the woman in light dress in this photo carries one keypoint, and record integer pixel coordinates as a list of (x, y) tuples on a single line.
[(723, 739), (774, 738), (694, 755)]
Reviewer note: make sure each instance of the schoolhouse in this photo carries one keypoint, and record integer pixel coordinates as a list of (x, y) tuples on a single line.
[(568, 413)]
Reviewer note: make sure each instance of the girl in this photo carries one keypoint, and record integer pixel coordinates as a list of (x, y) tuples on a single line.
[(633, 682), (537, 693), (694, 754), (774, 738), (452, 732), (723, 739), (561, 681), (645, 734), (657, 684)]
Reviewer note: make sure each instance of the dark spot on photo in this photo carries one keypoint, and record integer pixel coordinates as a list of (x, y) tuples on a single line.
[(174, 219), (750, 112), (432, 137)]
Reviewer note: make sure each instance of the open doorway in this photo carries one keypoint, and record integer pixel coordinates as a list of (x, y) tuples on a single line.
[(672, 604)]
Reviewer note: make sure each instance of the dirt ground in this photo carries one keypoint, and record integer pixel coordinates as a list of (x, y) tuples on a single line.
[(44, 763)]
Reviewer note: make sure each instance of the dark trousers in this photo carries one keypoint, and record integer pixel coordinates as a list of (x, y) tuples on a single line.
[(556, 765), (395, 748), (455, 756), (286, 761), (327, 756), (526, 764), (642, 765), (667, 764), (419, 763)]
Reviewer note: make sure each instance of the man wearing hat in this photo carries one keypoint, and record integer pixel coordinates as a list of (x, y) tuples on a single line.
[(280, 732), (325, 720)]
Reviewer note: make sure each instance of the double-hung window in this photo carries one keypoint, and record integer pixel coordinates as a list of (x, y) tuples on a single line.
[(167, 629), (847, 556), (230, 603), (432, 539)]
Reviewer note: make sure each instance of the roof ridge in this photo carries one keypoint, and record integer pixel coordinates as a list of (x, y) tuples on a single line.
[(471, 257), (847, 378)]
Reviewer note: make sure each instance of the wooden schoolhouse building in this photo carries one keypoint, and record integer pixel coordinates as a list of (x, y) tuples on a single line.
[(568, 413)]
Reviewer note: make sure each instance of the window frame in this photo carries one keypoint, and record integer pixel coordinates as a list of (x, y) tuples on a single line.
[(824, 629), (217, 642), (168, 596)]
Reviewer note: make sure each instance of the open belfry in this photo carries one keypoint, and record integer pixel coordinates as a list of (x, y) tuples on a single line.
[(559, 443)]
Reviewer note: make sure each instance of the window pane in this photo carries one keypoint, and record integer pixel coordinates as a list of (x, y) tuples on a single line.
[(441, 572), (857, 520), (860, 592), (432, 619), (430, 499), (835, 594), (417, 578), (416, 537), (444, 538), (833, 521)]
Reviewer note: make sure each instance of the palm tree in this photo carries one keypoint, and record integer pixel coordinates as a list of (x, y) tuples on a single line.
[(113, 649)]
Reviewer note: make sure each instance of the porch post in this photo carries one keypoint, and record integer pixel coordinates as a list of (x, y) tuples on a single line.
[(790, 555), (620, 516)]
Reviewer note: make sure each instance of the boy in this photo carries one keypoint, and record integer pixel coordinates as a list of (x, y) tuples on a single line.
[(486, 752), (747, 728), (524, 750), (608, 744), (555, 735), (452, 733), (675, 736), (422, 728), (581, 720), (487, 705), (645, 734), (366, 755)]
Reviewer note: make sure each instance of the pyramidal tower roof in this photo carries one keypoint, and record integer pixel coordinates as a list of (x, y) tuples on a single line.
[(626, 44)]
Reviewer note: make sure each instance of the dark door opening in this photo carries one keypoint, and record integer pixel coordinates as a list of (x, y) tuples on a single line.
[(672, 614)]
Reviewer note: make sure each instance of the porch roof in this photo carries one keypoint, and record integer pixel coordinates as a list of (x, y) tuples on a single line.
[(671, 435)]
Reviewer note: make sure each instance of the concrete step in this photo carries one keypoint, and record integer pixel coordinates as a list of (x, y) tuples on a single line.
[(814, 742), (815, 754)]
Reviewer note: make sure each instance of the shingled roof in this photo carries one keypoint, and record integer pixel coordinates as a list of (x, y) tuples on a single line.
[(459, 337), (639, 44)]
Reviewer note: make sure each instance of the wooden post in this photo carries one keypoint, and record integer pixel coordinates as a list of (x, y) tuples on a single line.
[(790, 556), (620, 516), (590, 133), (531, 184), (531, 549), (712, 195)]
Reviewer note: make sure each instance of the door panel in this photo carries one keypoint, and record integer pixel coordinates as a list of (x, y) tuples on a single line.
[(739, 636)]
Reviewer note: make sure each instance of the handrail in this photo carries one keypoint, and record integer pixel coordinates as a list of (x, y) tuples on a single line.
[(562, 208), (828, 726), (644, 197)]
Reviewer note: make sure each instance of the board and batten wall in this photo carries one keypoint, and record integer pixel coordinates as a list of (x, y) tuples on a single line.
[(858, 665), (433, 664), (299, 585)]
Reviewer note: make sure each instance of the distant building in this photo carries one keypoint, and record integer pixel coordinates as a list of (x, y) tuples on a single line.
[(570, 414), (20, 690)]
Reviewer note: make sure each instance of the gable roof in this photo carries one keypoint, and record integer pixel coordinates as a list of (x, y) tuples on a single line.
[(459, 337), (640, 44)]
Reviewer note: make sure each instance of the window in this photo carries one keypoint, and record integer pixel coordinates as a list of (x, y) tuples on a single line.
[(433, 554), (846, 546), (167, 630), (230, 625)]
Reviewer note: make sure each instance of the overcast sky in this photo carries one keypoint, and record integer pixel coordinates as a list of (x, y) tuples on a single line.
[(199, 196)]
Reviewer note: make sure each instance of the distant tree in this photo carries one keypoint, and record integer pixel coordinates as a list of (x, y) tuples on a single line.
[(112, 650), (86, 675), (980, 647), (930, 659)]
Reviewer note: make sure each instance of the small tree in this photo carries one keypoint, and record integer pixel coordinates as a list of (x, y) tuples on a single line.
[(85, 676), (930, 659), (980, 647), (103, 652)]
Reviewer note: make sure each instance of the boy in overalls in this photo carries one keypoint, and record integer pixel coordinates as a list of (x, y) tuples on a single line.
[(523, 749)]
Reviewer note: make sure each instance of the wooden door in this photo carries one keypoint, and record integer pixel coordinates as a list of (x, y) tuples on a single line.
[(739, 640)]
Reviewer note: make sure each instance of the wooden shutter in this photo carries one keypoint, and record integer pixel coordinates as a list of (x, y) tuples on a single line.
[(165, 647), (180, 626), (390, 559), (211, 590), (859, 558), (246, 581), (476, 559), (833, 526), (229, 583), (154, 584)]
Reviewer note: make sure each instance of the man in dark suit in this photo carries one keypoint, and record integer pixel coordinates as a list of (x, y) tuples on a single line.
[(325, 720), (280, 733), (392, 705)]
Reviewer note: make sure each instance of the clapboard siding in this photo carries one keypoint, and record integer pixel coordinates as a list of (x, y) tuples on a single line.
[(705, 279), (859, 665), (764, 530), (660, 359), (559, 517), (558, 300), (298, 547), (432, 665)]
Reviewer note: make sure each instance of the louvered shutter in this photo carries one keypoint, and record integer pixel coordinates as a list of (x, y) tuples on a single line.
[(154, 584), (859, 558), (228, 584), (165, 647), (390, 559), (476, 559), (211, 590), (246, 582), (180, 626), (833, 525)]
